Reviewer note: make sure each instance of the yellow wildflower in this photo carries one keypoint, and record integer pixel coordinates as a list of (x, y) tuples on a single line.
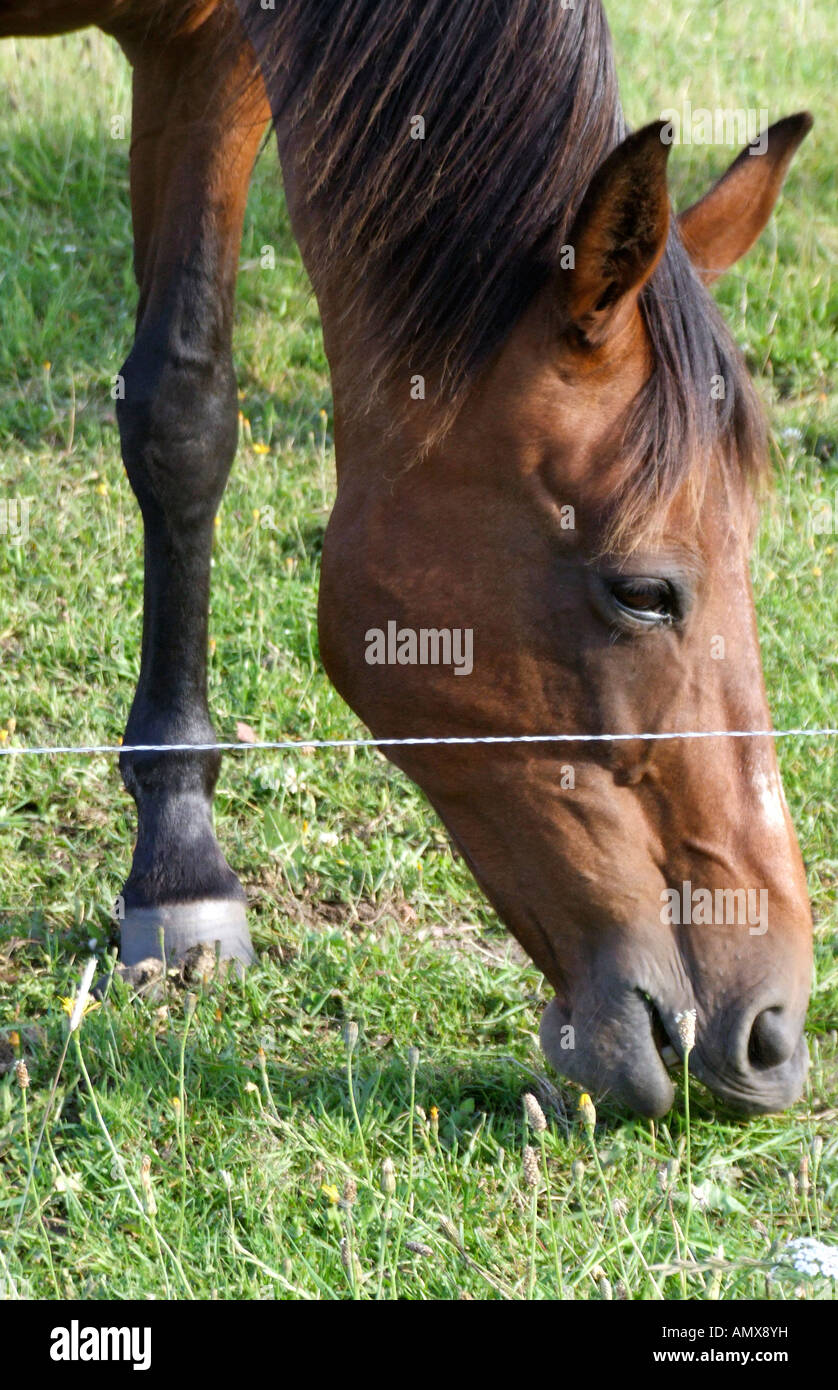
[(587, 1111), (89, 1005)]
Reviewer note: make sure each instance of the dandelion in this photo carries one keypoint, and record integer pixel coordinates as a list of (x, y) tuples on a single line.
[(537, 1120), (587, 1112), (4, 734), (685, 1023), (69, 1007), (22, 1074), (434, 1122), (82, 1004), (350, 1262), (413, 1058), (350, 1038), (149, 1199), (388, 1187), (331, 1193), (226, 1178), (534, 1113), (261, 448), (388, 1178), (587, 1115), (530, 1166)]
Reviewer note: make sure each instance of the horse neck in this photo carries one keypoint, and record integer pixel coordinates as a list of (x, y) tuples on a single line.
[(365, 428)]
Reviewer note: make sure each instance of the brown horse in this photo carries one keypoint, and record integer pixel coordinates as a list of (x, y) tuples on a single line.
[(546, 440)]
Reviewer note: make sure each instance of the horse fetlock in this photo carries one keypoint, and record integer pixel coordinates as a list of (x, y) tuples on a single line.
[(177, 857)]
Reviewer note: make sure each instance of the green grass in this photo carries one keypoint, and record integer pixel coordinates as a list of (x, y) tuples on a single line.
[(358, 909)]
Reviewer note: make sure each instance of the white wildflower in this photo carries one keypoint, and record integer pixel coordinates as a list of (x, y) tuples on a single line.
[(83, 994), (813, 1257), (293, 780), (685, 1023)]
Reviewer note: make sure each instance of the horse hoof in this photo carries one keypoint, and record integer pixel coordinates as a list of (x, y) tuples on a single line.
[(213, 924)]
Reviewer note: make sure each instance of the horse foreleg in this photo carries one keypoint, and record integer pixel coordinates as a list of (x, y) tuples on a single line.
[(192, 155)]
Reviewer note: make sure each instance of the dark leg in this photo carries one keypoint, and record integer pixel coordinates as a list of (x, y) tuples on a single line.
[(191, 160)]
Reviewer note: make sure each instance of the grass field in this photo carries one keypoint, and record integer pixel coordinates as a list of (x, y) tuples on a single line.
[(264, 1152)]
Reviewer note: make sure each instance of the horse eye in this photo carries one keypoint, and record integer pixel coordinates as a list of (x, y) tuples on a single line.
[(648, 600)]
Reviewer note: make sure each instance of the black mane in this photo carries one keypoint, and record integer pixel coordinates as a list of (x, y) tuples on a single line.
[(446, 240)]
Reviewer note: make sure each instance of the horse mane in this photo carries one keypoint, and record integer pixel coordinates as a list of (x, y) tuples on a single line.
[(446, 240)]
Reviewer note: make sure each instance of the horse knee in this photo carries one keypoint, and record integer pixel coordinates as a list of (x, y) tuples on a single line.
[(177, 420)]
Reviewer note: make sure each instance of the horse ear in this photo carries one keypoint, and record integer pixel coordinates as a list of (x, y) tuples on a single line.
[(726, 222), (619, 233)]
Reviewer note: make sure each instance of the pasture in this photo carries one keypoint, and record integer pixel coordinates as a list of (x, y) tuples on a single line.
[(264, 1130)]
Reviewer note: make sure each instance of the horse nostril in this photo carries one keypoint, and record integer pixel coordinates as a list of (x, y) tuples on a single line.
[(772, 1039)]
